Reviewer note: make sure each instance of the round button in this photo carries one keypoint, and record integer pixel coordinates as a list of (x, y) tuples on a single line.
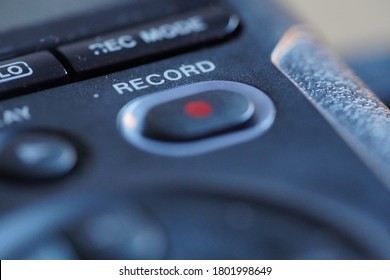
[(36, 155)]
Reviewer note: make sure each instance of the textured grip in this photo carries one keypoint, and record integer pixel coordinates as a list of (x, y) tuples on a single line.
[(359, 117)]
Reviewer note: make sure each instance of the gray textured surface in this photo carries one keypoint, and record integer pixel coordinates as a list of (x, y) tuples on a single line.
[(355, 112)]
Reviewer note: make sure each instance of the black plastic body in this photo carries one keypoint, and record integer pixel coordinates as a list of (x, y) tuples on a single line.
[(300, 166)]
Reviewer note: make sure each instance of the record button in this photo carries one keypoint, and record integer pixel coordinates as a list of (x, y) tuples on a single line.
[(198, 116)]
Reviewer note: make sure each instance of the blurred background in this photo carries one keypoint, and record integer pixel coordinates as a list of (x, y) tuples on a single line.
[(351, 26), (359, 30)]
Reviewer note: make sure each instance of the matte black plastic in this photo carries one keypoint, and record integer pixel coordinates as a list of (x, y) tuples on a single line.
[(30, 72), (296, 191)]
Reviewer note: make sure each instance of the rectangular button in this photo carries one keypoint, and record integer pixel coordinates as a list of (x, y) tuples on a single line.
[(135, 45), (30, 72)]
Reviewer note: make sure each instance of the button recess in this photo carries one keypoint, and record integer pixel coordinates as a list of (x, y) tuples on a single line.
[(135, 45), (197, 116), (36, 155), (30, 72)]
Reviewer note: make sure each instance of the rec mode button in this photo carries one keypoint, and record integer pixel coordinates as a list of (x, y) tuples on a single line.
[(133, 46), (197, 116)]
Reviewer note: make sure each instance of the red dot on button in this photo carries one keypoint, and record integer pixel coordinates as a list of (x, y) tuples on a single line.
[(198, 109)]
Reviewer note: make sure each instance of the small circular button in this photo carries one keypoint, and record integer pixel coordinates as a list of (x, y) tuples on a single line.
[(36, 155)]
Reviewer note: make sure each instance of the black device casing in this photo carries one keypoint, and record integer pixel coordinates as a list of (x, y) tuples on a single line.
[(300, 166)]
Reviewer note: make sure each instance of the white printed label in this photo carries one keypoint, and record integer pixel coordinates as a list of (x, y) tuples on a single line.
[(173, 30), (113, 45), (14, 70), (151, 35), (156, 79), (15, 115)]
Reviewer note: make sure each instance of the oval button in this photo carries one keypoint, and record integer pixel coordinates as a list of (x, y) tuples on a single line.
[(199, 115), (36, 155), (196, 118)]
